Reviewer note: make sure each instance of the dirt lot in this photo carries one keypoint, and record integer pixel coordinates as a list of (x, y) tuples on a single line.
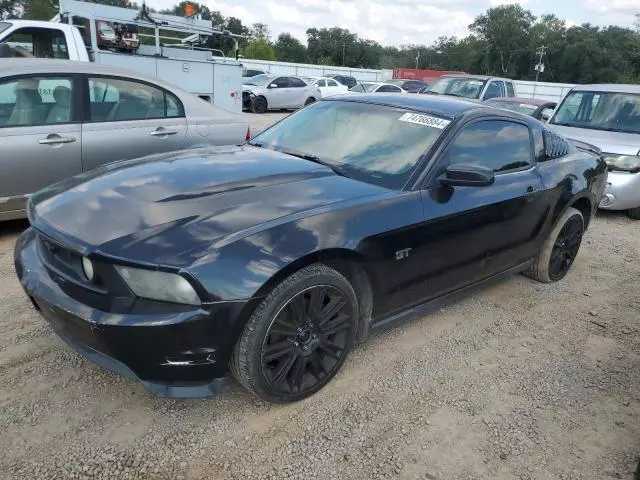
[(516, 381)]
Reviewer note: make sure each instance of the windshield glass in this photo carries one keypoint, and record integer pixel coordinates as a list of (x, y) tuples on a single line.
[(372, 143), (458, 86), (513, 106), (4, 26), (611, 111), (259, 80), (369, 87)]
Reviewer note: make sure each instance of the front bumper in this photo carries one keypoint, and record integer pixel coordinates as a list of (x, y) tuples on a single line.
[(622, 191), (177, 354)]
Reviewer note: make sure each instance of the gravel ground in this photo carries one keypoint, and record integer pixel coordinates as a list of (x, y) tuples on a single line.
[(518, 380)]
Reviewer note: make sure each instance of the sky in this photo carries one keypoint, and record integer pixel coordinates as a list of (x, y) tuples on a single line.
[(401, 22)]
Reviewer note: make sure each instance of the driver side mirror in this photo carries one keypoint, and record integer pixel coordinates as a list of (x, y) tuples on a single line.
[(467, 175), (546, 114), (273, 85)]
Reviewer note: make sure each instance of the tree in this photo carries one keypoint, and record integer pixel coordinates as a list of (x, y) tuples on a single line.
[(290, 49), (9, 9), (259, 31), (259, 50), (40, 9), (200, 9)]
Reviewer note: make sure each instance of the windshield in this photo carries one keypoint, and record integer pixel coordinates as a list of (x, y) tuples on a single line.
[(611, 111), (369, 87), (4, 26), (259, 80), (513, 106), (457, 86), (372, 143)]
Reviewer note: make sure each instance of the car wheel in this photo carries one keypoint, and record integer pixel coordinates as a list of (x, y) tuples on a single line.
[(309, 101), (634, 213), (298, 337), (259, 105), (559, 249)]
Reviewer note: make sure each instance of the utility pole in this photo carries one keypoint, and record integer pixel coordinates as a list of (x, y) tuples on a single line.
[(540, 66), (417, 58), (344, 45)]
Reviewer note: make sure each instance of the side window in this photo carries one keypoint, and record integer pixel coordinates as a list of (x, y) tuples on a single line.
[(114, 99), (321, 83), (497, 144), (388, 88), (296, 82), (495, 89), (39, 42), (357, 88), (35, 101), (332, 83), (282, 82), (511, 92)]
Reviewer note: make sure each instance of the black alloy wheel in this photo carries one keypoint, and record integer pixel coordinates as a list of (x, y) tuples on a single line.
[(259, 105), (307, 340), (566, 248)]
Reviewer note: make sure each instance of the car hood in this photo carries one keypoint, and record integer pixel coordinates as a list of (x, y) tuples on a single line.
[(608, 142), (253, 88), (170, 209)]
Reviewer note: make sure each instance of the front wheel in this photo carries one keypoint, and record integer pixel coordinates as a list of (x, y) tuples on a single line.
[(259, 105), (559, 249), (634, 213), (298, 337), (309, 101)]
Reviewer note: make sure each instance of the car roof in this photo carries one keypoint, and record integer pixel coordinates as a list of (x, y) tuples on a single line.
[(438, 105), (477, 77), (528, 101), (608, 87)]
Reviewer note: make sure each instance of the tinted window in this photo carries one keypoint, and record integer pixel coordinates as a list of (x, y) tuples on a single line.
[(332, 83), (388, 88), (357, 88), (321, 83), (457, 86), (496, 144), (372, 143), (35, 101), (495, 89), (296, 82), (282, 82), (511, 92), (113, 99), (4, 26)]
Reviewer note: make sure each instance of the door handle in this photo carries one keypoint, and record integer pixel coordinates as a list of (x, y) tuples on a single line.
[(161, 132), (531, 189), (55, 139)]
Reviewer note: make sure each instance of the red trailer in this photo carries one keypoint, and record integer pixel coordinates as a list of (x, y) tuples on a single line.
[(420, 74)]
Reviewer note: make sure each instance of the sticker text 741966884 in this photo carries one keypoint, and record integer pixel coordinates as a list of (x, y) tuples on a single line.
[(426, 120)]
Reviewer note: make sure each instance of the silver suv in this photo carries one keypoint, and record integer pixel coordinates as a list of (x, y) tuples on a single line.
[(608, 116)]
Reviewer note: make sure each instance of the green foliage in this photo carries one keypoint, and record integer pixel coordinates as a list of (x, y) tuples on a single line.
[(259, 50), (9, 9), (289, 49)]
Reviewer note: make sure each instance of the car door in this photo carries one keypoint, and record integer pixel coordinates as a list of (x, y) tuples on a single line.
[(278, 93), (333, 88), (125, 118), (299, 92), (321, 85), (473, 232), (40, 136)]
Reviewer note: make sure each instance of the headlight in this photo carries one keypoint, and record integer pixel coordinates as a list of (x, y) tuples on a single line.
[(625, 163), (163, 286)]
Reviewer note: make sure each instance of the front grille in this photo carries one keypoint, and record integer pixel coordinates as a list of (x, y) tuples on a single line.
[(62, 260)]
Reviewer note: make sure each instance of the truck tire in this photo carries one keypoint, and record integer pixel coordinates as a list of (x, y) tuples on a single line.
[(634, 213), (559, 249)]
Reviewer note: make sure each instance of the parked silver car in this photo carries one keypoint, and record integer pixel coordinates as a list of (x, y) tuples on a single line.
[(270, 92), (376, 87), (60, 118), (608, 116)]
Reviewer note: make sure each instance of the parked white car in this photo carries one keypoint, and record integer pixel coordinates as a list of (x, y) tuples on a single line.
[(328, 86), (376, 87), (269, 92)]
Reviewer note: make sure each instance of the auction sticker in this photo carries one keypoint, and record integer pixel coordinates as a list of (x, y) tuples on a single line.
[(426, 120)]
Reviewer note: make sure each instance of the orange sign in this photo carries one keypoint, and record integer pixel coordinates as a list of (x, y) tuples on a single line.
[(189, 10)]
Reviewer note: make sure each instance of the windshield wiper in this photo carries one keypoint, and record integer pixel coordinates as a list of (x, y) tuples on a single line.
[(314, 159)]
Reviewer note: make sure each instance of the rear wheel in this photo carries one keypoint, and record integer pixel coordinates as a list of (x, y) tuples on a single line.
[(560, 249), (634, 213), (259, 105), (299, 336), (309, 101)]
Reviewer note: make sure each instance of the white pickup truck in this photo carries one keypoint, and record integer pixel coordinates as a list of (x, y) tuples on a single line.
[(73, 35)]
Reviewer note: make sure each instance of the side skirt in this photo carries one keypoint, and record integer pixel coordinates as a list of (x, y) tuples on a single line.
[(430, 305)]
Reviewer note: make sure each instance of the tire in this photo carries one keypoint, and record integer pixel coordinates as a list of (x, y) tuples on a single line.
[(273, 342), (309, 101), (554, 260), (634, 213), (259, 105)]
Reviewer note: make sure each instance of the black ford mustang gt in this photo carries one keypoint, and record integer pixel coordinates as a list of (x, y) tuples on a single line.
[(273, 258)]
